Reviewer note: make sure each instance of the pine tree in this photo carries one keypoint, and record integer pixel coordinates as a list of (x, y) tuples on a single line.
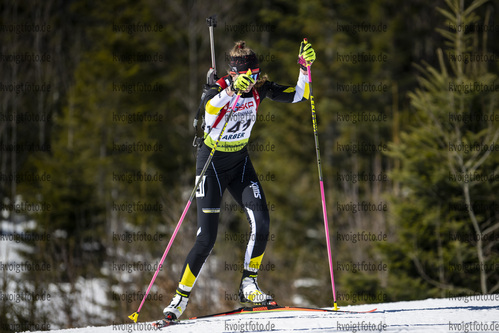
[(445, 218)]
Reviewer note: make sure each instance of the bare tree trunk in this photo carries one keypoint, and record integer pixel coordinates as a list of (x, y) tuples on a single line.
[(479, 243)]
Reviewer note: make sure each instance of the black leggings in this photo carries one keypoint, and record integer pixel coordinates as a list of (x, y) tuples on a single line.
[(233, 171)]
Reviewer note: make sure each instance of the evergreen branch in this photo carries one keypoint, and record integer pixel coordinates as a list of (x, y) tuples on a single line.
[(451, 17), (454, 6), (486, 155), (474, 5)]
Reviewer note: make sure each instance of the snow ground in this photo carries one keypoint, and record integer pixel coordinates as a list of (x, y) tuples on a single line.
[(468, 314), (460, 314)]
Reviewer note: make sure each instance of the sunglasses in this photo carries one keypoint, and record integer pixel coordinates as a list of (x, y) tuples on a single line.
[(254, 76)]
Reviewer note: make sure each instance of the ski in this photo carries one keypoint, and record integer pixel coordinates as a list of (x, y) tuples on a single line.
[(276, 308), (255, 309), (164, 323), (352, 311)]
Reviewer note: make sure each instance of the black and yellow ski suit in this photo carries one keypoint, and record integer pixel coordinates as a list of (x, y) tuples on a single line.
[(231, 169)]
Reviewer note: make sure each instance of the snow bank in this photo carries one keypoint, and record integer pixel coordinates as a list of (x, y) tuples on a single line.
[(467, 314)]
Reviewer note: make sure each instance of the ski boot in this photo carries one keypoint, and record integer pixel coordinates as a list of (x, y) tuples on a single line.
[(251, 295), (179, 302)]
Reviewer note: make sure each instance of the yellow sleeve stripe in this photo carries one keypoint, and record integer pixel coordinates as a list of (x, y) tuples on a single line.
[(212, 109), (290, 90), (306, 93)]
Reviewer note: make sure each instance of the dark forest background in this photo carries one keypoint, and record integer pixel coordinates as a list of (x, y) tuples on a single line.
[(96, 161)]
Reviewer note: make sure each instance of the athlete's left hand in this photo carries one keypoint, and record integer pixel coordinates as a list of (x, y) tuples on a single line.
[(242, 83), (307, 52)]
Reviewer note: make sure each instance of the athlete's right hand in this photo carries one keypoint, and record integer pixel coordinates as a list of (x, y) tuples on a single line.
[(242, 82)]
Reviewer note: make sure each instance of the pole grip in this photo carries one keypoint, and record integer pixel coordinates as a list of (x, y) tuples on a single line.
[(212, 21), (301, 60)]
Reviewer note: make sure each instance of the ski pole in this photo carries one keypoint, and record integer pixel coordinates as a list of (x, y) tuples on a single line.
[(319, 167), (212, 23), (211, 77), (134, 316)]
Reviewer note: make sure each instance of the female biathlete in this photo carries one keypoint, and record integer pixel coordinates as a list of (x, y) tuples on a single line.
[(231, 169)]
